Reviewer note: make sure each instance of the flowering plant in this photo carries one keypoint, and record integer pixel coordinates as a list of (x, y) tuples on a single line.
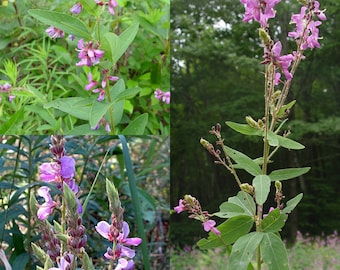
[(100, 79), (245, 210), (64, 243)]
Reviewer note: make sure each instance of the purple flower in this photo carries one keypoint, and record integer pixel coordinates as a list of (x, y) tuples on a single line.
[(105, 123), (67, 167), (320, 13), (124, 264), (50, 172), (111, 5), (259, 11), (76, 9), (47, 207), (283, 61), (54, 32), (163, 96), (64, 264), (180, 208), (103, 228), (209, 225), (88, 53), (270, 209), (101, 92), (91, 83)]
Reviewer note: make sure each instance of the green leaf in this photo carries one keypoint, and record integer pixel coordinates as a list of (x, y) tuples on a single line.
[(229, 210), (244, 200), (90, 6), (70, 199), (261, 184), (288, 143), (284, 174), (65, 22), (273, 252), (243, 250), (242, 204), (12, 123), (97, 111), (75, 106), (274, 221), (292, 203), (115, 46), (230, 230), (244, 129), (137, 126), (283, 109), (128, 94), (244, 161)]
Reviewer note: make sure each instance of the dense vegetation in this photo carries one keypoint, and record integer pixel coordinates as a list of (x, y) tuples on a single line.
[(216, 77)]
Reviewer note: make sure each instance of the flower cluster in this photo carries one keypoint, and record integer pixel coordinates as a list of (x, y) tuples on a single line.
[(92, 83), (110, 5), (307, 33), (54, 32), (163, 96), (6, 88), (259, 10), (192, 205), (89, 54), (61, 170), (118, 233)]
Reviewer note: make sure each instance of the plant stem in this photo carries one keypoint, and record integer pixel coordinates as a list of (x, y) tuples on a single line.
[(112, 124)]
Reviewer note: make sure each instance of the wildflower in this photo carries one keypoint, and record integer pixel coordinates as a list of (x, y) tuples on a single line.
[(163, 96), (6, 88), (64, 263), (105, 123), (76, 9), (47, 207), (110, 5), (181, 207), (91, 83), (88, 53), (209, 225), (101, 92), (50, 172), (54, 32), (259, 11), (106, 230), (67, 167), (283, 61)]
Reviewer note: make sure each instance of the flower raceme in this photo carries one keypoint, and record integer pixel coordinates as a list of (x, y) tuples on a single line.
[(192, 205), (89, 54)]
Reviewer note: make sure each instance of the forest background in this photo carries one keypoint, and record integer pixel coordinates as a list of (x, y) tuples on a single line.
[(216, 76)]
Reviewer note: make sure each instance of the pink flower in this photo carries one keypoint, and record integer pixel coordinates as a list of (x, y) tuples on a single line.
[(54, 32), (50, 172), (259, 10), (103, 228), (101, 92), (63, 263), (124, 264), (320, 13), (88, 53), (91, 83), (105, 123), (47, 207), (163, 96), (76, 9), (67, 167), (283, 61), (180, 208), (110, 5), (209, 225)]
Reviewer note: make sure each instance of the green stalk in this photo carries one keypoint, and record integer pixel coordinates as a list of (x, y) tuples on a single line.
[(135, 202)]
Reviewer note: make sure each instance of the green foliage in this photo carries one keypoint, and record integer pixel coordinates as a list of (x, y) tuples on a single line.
[(20, 158), (48, 86)]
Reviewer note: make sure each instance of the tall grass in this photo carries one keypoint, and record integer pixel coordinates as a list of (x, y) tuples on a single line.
[(307, 253)]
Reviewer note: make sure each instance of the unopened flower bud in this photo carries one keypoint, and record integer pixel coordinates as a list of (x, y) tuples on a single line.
[(278, 186), (260, 123), (264, 37), (247, 188), (251, 122), (276, 94)]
